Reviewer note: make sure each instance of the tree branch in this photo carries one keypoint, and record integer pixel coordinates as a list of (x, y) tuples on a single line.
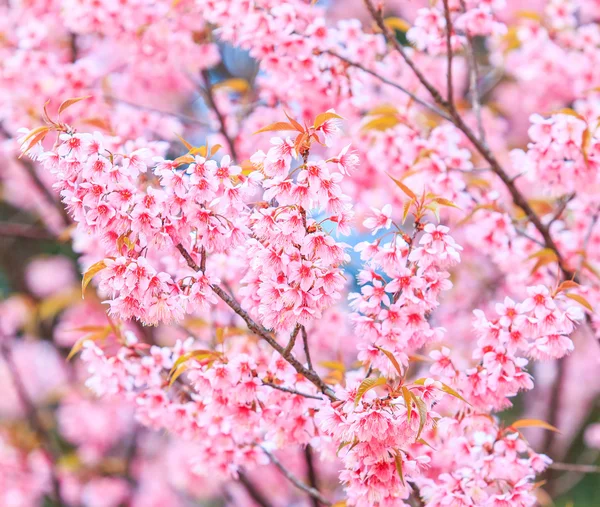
[(474, 82), (291, 391), (181, 117), (388, 82), (306, 349), (312, 473), (314, 493), (15, 230), (449, 83), (576, 468), (252, 490), (33, 418), (517, 197), (210, 99), (259, 330), (292, 341)]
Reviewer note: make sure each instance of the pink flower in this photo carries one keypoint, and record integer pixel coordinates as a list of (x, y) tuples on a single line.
[(379, 219)]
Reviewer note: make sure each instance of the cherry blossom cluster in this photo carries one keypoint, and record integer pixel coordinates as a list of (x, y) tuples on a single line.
[(400, 288), (295, 264), (134, 209), (480, 464), (563, 151), (537, 328), (473, 18), (292, 295)]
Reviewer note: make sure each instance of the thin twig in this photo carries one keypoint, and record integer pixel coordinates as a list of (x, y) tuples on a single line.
[(588, 235), (203, 259), (291, 391), (575, 467), (555, 403), (314, 493), (474, 82), (182, 117), (292, 341), (388, 82), (52, 199), (306, 349), (211, 102), (518, 198), (564, 202)]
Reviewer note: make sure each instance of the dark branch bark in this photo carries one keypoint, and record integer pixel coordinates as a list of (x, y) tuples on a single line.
[(311, 472), (210, 99), (252, 490), (34, 419), (314, 493), (15, 230), (517, 197)]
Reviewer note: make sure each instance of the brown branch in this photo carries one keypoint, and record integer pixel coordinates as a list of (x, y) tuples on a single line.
[(292, 341), (181, 117), (588, 235), (391, 39), (312, 473), (388, 82), (203, 259), (48, 195), (15, 230), (252, 490), (474, 82), (33, 418), (211, 102), (555, 403), (563, 203), (449, 84), (576, 468), (518, 198), (306, 349), (314, 493), (291, 391), (259, 330)]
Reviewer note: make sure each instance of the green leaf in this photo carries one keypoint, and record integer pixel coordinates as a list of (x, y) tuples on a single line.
[(185, 143), (397, 24), (446, 388), (176, 374), (581, 300), (566, 285), (92, 271), (95, 336), (408, 402), (404, 188), (424, 442), (297, 125), (533, 423), (406, 209), (392, 359), (194, 354), (367, 385), (69, 102), (381, 123), (445, 202), (323, 117), (279, 125), (398, 460), (422, 409)]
